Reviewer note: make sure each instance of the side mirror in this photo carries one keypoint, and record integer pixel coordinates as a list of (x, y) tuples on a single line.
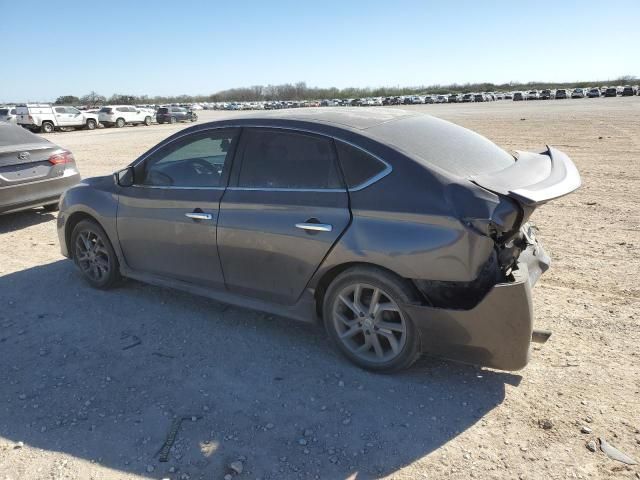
[(124, 177)]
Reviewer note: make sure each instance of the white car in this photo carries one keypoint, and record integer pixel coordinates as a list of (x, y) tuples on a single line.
[(8, 114), (47, 118), (121, 115)]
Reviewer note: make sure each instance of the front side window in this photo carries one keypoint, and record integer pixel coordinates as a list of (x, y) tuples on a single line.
[(197, 160), (288, 160), (72, 110)]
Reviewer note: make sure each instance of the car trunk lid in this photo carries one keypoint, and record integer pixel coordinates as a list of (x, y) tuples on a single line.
[(26, 162)]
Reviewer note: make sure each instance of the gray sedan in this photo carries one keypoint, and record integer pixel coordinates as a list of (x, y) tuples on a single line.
[(403, 233), (33, 171)]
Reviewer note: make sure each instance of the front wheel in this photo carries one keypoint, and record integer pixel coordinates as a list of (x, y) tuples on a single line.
[(173, 120), (194, 118), (91, 124), (94, 255), (363, 316), (147, 121), (120, 123)]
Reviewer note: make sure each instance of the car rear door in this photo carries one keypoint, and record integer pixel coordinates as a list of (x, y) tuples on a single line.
[(167, 219), (285, 208)]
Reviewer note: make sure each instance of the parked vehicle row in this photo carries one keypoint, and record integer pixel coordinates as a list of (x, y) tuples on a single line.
[(46, 118)]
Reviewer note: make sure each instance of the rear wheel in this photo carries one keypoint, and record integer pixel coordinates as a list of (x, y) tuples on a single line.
[(194, 117), (94, 256), (147, 121), (47, 127), (120, 123), (363, 316), (91, 124), (173, 120)]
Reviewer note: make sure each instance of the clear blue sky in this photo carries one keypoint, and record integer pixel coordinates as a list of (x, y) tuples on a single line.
[(160, 47)]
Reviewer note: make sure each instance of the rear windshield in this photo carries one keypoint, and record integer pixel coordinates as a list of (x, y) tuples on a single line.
[(14, 135), (4, 111), (163, 110), (454, 149)]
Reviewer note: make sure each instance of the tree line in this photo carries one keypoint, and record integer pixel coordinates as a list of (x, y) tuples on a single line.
[(300, 91)]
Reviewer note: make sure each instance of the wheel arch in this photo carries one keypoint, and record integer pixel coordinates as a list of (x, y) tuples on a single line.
[(330, 275), (71, 223)]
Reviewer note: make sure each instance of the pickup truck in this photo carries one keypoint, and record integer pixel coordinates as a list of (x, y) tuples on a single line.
[(47, 118)]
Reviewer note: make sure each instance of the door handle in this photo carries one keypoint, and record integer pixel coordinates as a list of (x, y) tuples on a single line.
[(315, 227), (198, 215)]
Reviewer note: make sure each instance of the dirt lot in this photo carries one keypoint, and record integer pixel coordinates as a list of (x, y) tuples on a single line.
[(274, 394)]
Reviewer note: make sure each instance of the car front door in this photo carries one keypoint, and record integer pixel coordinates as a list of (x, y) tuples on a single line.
[(74, 117), (167, 219), (282, 213), (63, 118)]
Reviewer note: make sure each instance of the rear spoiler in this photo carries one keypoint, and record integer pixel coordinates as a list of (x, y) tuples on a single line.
[(535, 178)]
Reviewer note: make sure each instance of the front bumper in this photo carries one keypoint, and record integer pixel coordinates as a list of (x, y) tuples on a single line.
[(495, 333)]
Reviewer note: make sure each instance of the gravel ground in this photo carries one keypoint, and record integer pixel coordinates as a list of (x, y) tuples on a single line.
[(92, 381)]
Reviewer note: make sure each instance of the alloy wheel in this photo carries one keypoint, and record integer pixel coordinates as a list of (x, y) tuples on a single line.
[(92, 256), (369, 323)]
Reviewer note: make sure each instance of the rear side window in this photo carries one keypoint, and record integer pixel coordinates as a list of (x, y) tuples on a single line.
[(357, 165), (163, 110), (61, 110), (288, 160)]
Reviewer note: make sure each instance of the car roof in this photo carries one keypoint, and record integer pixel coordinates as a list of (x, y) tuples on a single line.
[(351, 118)]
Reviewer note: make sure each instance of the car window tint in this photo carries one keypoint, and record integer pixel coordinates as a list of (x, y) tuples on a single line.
[(357, 165), (197, 160), (277, 159), (61, 110)]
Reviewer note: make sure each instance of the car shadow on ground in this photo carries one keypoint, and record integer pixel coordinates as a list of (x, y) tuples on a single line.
[(28, 218), (101, 376)]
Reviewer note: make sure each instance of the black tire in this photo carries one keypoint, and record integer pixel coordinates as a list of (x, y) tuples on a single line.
[(160, 122), (147, 121), (51, 207), (397, 291), (194, 117), (101, 268), (47, 127), (91, 124), (173, 120), (120, 123)]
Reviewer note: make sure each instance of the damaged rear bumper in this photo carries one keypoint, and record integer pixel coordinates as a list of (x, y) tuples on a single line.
[(495, 333)]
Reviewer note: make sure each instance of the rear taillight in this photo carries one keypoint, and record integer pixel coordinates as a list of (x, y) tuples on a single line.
[(61, 157)]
